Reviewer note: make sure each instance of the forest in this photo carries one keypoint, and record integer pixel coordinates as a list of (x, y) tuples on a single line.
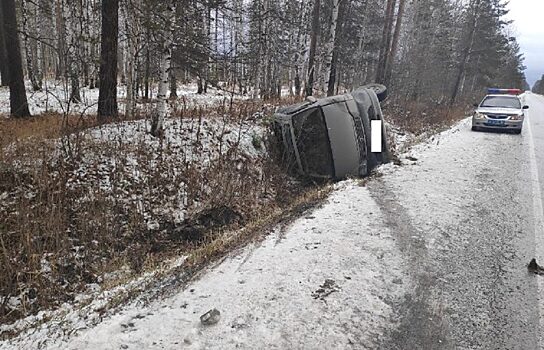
[(137, 130), (538, 88), (435, 51)]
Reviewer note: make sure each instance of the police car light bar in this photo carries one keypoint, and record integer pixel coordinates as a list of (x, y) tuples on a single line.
[(504, 91)]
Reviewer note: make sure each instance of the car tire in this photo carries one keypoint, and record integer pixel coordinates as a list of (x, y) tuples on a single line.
[(475, 128), (379, 89), (517, 131), (384, 156), (371, 159)]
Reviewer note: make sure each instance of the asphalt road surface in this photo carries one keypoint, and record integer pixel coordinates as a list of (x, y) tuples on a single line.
[(468, 220)]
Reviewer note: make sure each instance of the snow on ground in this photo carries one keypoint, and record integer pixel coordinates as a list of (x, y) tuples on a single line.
[(325, 281), (197, 142), (87, 309), (125, 150), (54, 97), (195, 136), (120, 161), (318, 284)]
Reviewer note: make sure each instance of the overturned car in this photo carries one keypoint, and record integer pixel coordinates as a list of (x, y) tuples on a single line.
[(331, 137)]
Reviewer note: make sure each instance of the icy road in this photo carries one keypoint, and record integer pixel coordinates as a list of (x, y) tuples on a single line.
[(431, 255)]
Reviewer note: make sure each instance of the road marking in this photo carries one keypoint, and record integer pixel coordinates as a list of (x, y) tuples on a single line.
[(376, 136), (538, 214)]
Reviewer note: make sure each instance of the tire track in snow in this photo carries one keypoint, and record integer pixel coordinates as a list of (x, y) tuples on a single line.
[(421, 325)]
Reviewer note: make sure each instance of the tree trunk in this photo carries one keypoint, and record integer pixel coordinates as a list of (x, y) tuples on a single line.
[(157, 124), (332, 75), (28, 30), (60, 32), (173, 84), (465, 56), (70, 14), (313, 46), (107, 96), (331, 45), (386, 40), (147, 70), (394, 46), (4, 72), (131, 57), (39, 62), (17, 94), (345, 8)]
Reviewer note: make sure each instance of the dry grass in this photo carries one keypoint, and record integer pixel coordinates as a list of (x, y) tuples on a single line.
[(72, 209), (420, 117)]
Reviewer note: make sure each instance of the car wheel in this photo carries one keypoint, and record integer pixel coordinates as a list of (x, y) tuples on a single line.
[(371, 160), (379, 89), (475, 128), (382, 157), (385, 156), (517, 131)]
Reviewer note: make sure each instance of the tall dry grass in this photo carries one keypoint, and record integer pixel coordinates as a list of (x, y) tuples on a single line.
[(74, 208), (420, 117)]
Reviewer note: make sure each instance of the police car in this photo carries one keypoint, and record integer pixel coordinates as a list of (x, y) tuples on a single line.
[(501, 109)]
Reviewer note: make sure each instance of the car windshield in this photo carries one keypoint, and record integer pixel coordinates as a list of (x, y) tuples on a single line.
[(501, 101), (312, 142)]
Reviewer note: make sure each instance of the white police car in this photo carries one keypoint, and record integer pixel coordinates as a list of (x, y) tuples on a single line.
[(501, 109)]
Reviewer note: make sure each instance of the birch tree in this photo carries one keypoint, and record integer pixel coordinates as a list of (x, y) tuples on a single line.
[(330, 44), (30, 34), (313, 46), (4, 73), (157, 124)]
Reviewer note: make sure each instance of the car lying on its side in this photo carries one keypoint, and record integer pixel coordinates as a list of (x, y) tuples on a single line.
[(501, 109), (330, 137)]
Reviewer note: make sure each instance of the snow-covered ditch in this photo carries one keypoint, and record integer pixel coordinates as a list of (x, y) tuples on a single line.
[(110, 197), (155, 185), (319, 283)]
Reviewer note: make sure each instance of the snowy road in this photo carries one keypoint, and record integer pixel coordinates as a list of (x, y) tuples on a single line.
[(468, 219), (431, 255)]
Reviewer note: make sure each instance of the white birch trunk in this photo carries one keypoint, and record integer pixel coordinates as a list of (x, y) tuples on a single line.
[(130, 58), (157, 124), (330, 45)]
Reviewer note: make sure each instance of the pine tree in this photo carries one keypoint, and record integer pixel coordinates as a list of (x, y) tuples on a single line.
[(17, 94), (107, 98)]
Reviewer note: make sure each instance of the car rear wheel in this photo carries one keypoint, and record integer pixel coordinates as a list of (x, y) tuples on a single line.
[(517, 131), (379, 89), (475, 128)]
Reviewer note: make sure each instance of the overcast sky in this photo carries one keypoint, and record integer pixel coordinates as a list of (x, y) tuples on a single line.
[(528, 16)]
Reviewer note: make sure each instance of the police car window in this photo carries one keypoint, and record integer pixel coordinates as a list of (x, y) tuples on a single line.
[(501, 101)]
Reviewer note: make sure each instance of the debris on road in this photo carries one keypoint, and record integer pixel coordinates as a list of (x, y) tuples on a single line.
[(211, 317), (326, 289), (535, 268)]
